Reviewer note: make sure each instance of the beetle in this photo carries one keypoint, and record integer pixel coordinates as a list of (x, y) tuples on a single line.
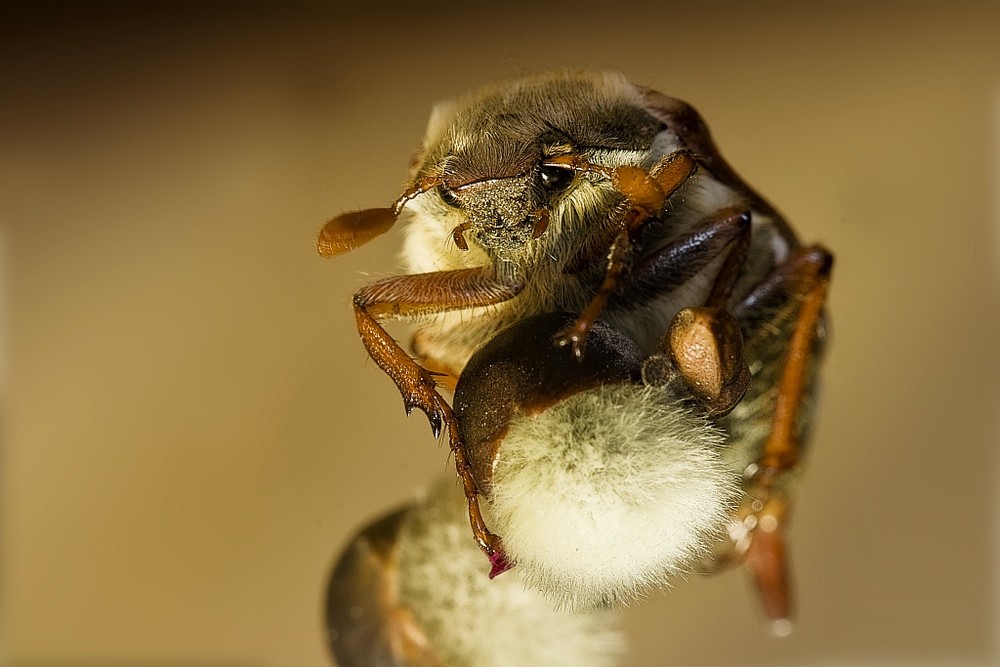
[(582, 193)]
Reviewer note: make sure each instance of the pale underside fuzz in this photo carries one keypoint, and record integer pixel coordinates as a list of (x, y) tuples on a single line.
[(609, 493), (473, 621)]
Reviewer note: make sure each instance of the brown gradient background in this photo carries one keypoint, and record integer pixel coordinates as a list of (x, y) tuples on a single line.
[(192, 429)]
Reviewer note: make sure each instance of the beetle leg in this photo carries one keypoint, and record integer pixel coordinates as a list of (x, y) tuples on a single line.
[(407, 296), (646, 194), (412, 295), (706, 345), (575, 335), (703, 345), (781, 448), (791, 297)]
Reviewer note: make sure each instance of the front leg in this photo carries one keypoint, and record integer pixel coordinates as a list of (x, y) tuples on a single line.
[(646, 193), (409, 296)]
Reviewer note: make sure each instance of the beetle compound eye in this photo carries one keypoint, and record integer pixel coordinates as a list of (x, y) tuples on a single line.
[(555, 179), (449, 197)]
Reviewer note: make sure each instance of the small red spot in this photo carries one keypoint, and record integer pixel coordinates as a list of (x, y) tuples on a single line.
[(499, 563)]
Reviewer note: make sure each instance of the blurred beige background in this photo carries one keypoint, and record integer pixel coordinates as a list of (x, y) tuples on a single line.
[(192, 429)]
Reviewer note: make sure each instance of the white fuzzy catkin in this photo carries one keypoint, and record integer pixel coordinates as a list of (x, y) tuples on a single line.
[(472, 621), (609, 493)]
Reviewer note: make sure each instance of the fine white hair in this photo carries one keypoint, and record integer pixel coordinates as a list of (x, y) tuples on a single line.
[(609, 493), (473, 621)]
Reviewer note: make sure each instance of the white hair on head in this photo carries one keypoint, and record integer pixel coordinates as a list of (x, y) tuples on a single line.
[(609, 493)]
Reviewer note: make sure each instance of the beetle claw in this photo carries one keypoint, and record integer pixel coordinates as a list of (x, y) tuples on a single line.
[(499, 563), (435, 421)]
